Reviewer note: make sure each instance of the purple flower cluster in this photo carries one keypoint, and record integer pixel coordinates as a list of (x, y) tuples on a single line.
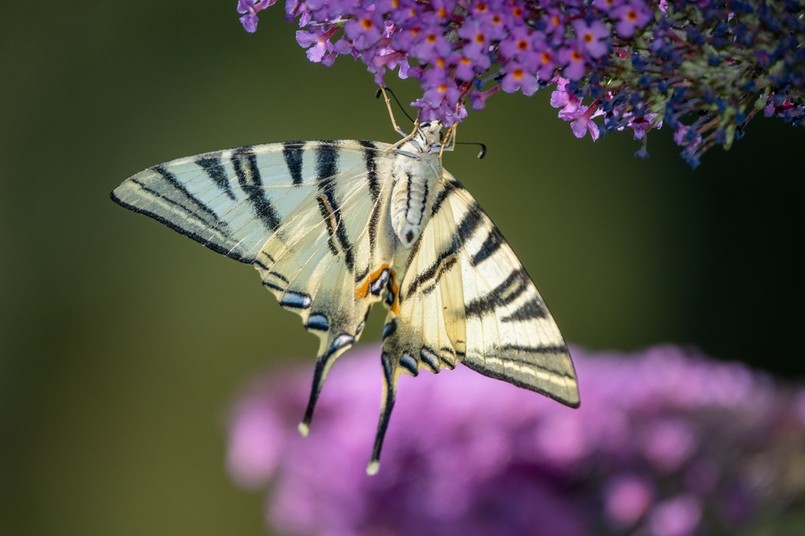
[(666, 443), (702, 67)]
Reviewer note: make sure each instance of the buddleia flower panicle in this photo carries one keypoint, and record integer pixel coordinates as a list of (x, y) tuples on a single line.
[(667, 442), (702, 68)]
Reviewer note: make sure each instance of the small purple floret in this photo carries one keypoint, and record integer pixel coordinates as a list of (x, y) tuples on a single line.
[(630, 16), (249, 9), (592, 38)]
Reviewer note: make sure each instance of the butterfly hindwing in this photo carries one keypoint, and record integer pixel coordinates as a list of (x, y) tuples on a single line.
[(465, 297), (510, 334)]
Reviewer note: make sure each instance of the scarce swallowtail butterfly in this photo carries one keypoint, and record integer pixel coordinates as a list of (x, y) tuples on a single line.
[(334, 226)]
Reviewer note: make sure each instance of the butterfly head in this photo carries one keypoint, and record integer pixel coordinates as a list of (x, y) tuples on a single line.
[(428, 136)]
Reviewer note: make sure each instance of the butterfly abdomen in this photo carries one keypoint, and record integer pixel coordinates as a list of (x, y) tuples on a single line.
[(415, 177)]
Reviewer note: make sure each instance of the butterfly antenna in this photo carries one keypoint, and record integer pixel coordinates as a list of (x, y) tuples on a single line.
[(385, 92), (389, 395), (481, 146)]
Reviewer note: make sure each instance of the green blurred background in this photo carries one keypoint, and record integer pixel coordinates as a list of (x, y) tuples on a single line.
[(122, 344)]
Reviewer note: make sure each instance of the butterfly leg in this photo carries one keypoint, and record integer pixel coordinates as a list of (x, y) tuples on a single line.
[(449, 140), (394, 124)]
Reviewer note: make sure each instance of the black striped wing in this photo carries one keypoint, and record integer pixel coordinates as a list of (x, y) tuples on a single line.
[(310, 216), (314, 219), (465, 297)]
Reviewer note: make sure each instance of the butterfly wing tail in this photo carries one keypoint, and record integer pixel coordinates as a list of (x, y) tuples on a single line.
[(331, 349), (391, 373)]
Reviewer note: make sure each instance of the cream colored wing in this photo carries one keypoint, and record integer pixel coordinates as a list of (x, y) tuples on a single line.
[(465, 297), (310, 216)]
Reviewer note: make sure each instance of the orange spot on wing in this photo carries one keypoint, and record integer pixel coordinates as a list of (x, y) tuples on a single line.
[(363, 289), (395, 289)]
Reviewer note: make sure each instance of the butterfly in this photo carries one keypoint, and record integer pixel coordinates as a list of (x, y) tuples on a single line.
[(333, 227)]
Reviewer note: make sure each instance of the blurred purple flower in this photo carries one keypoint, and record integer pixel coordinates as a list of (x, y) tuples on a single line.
[(679, 516), (666, 443), (626, 499)]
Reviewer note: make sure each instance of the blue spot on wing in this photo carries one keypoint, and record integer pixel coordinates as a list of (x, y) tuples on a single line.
[(389, 328), (345, 339), (318, 322), (295, 300), (430, 359), (409, 363)]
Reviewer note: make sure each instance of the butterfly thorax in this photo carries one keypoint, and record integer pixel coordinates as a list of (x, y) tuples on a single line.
[(416, 171)]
